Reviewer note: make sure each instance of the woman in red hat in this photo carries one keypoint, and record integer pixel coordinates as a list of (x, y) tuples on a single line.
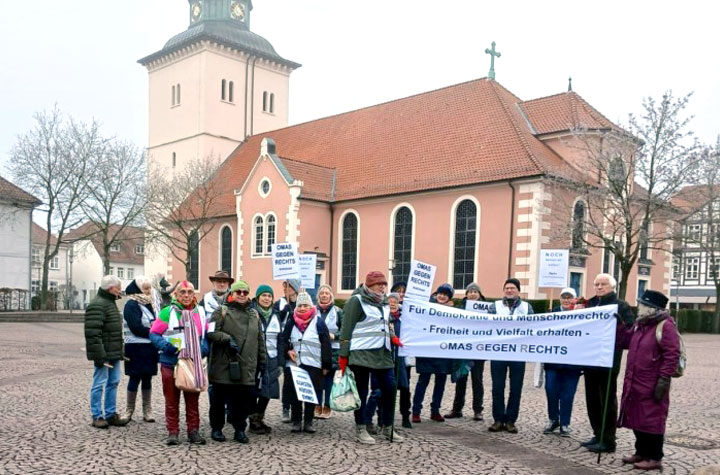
[(365, 345)]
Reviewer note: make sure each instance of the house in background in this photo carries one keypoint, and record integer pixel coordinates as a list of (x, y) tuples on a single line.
[(16, 208), (58, 272), (127, 258)]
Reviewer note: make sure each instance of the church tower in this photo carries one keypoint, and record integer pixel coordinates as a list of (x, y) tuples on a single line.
[(213, 85)]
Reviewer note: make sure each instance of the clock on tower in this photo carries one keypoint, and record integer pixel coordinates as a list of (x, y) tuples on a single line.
[(236, 12)]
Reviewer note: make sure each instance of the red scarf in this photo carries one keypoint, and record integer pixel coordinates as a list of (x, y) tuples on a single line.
[(326, 306), (395, 314), (302, 320)]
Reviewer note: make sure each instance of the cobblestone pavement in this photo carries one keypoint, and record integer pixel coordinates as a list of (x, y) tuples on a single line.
[(45, 427)]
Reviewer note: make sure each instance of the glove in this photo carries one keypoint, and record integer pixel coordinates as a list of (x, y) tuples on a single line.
[(234, 347), (396, 341), (171, 349), (98, 363), (343, 361), (661, 389)]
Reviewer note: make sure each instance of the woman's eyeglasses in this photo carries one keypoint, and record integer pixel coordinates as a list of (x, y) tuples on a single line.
[(242, 292)]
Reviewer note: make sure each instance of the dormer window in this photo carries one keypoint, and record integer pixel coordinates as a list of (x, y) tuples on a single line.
[(139, 249), (115, 247)]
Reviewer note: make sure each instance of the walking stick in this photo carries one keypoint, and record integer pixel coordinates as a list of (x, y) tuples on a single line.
[(605, 408)]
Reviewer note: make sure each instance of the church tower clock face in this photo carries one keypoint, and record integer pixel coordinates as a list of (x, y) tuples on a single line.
[(237, 11), (196, 11)]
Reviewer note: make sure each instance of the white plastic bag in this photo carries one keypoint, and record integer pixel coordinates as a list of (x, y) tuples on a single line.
[(538, 376)]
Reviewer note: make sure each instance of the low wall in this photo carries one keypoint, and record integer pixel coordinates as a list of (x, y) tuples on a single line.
[(48, 317)]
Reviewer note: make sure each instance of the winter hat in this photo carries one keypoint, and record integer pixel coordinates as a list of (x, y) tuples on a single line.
[(240, 285), (328, 288), (568, 290), (394, 295), (303, 298), (375, 277), (264, 289), (473, 286), (446, 289), (396, 286), (513, 281), (653, 298), (295, 284)]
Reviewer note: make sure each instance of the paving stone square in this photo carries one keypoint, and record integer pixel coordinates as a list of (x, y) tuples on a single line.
[(45, 426)]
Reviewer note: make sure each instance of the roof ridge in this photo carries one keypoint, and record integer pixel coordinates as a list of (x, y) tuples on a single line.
[(306, 163), (517, 130), (548, 97), (339, 114)]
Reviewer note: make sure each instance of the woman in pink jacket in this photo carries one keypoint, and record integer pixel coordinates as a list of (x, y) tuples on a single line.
[(651, 362)]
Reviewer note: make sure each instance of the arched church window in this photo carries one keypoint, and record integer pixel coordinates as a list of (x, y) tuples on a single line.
[(231, 91), (265, 100), (270, 224), (402, 244), (259, 231), (348, 276), (226, 250), (223, 87), (464, 256), (272, 103), (193, 258), (578, 225)]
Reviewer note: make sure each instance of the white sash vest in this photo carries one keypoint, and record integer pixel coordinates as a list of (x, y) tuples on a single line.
[(374, 331), (307, 345), (331, 320), (521, 309)]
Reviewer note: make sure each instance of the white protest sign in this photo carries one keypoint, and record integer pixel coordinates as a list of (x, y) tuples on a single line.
[(553, 268), (303, 385), (478, 306), (308, 263), (580, 337), (285, 261), (420, 280)]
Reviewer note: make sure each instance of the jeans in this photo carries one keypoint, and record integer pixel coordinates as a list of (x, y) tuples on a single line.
[(649, 446), (499, 372), (326, 388), (560, 386), (105, 380), (596, 387), (373, 401), (386, 382), (240, 402), (437, 395), (172, 403), (134, 382), (476, 373)]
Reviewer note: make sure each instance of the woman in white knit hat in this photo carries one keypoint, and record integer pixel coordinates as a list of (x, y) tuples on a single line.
[(332, 315)]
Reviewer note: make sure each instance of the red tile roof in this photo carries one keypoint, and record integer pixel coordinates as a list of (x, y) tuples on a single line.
[(39, 235), (128, 239), (470, 133), (13, 193), (562, 112)]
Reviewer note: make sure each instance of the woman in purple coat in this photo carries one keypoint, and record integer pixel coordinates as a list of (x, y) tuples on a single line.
[(646, 390)]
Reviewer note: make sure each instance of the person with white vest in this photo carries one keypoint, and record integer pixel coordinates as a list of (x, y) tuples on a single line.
[(305, 342), (269, 385), (284, 307), (141, 362), (365, 345), (221, 281), (506, 416), (332, 315)]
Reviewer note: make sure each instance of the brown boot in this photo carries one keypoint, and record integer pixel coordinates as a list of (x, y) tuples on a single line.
[(147, 405), (632, 459), (649, 465), (130, 407)]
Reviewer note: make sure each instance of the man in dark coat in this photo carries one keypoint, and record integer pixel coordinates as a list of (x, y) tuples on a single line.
[(104, 347), (597, 379)]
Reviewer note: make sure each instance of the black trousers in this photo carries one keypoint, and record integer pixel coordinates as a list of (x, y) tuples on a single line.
[(649, 446), (596, 387), (405, 400), (240, 401), (298, 413), (261, 405), (288, 389), (476, 375)]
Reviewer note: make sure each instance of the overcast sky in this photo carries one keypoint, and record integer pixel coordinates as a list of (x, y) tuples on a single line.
[(81, 54)]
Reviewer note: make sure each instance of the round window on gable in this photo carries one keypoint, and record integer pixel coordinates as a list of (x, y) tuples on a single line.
[(264, 187)]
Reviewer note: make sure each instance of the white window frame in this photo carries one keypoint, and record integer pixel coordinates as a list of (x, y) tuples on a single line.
[(689, 270), (130, 273), (121, 273), (253, 249), (141, 248), (55, 263)]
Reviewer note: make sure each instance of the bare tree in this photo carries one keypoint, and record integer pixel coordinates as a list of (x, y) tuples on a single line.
[(52, 161), (631, 177), (116, 195), (181, 207), (699, 230)]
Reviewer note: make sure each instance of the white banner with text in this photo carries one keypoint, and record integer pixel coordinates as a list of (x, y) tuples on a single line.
[(579, 337)]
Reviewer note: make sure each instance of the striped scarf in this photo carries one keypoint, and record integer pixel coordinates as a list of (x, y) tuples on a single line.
[(192, 346)]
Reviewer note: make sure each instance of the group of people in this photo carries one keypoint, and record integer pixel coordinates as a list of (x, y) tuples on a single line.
[(248, 342)]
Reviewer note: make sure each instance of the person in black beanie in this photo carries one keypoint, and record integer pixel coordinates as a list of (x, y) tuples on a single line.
[(506, 416)]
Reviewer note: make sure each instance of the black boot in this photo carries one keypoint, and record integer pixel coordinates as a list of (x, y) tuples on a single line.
[(406, 422), (241, 437), (218, 436)]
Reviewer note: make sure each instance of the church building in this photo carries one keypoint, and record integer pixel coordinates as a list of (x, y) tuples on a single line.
[(455, 177)]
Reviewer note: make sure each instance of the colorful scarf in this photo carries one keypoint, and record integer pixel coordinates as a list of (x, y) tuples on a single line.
[(302, 320), (192, 346)]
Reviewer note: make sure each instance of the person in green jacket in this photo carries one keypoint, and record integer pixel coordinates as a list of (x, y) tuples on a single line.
[(104, 347), (237, 359), (365, 345)]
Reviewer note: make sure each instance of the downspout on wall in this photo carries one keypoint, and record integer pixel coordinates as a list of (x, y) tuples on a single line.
[(252, 98), (512, 228)]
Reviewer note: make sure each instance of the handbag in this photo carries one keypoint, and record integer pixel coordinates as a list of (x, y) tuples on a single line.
[(344, 395), (185, 376)]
